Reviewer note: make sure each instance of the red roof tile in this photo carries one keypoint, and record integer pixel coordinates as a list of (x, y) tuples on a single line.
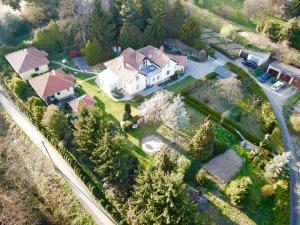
[(51, 82), (81, 101), (27, 59)]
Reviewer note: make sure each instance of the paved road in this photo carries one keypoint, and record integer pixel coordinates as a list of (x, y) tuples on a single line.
[(87, 200)]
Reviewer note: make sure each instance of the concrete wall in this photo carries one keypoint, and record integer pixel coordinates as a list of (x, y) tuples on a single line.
[(28, 74)]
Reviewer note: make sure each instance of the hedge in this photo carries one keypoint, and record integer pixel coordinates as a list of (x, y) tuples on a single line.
[(227, 123), (81, 170), (224, 51)]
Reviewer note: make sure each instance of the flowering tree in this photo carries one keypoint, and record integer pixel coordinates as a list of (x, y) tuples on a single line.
[(278, 167), (153, 108)]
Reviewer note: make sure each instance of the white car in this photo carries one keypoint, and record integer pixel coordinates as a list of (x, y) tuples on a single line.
[(277, 86)]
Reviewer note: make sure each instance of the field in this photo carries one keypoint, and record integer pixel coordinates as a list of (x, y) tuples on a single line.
[(31, 191)]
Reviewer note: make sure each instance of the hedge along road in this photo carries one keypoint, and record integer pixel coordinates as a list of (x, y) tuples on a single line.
[(87, 200)]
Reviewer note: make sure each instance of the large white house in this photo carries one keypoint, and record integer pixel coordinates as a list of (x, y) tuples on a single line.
[(135, 70)]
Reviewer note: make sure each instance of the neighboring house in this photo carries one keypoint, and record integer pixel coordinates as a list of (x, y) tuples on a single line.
[(135, 70), (29, 61), (285, 72), (84, 100), (259, 57), (53, 86)]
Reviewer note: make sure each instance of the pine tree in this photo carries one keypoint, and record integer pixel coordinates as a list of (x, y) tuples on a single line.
[(93, 52), (154, 33), (295, 8), (111, 163), (161, 198), (103, 27), (163, 162), (90, 127), (130, 36), (201, 145)]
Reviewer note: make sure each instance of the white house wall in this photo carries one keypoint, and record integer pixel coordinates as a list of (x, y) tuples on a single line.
[(28, 74), (64, 94)]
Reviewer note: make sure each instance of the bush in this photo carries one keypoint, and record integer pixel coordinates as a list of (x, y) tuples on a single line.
[(201, 176), (238, 189), (21, 88), (224, 51), (138, 98), (210, 76), (74, 53), (295, 122), (256, 160), (282, 209), (220, 147), (117, 94), (211, 52), (267, 190), (127, 125)]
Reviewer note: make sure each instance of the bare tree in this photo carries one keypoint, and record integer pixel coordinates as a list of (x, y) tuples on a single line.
[(254, 8)]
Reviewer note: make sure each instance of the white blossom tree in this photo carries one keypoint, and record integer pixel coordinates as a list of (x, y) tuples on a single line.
[(153, 108), (278, 167)]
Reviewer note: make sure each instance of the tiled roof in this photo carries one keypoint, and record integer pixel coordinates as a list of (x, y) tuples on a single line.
[(81, 101), (51, 82), (27, 59), (126, 66)]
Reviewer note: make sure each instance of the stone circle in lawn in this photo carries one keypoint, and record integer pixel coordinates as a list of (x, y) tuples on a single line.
[(151, 143)]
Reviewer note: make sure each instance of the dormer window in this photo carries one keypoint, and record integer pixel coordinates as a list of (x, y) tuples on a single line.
[(36, 69), (144, 63), (137, 78)]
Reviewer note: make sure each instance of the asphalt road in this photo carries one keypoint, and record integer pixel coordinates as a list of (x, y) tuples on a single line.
[(87, 200)]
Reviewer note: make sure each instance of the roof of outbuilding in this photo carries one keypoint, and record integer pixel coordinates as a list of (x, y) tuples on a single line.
[(51, 82), (85, 100), (27, 59), (290, 70)]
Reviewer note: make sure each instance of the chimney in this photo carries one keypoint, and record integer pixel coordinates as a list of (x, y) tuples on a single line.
[(162, 48)]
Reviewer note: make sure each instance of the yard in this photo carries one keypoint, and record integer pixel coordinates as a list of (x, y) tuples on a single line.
[(247, 215)]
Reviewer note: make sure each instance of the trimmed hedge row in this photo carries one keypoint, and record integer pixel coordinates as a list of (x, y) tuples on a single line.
[(224, 51), (81, 170), (227, 123)]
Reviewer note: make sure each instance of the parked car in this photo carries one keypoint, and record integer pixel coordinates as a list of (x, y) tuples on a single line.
[(277, 86), (265, 77), (250, 63)]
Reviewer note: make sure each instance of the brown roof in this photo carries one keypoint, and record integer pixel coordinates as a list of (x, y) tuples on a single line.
[(27, 59), (181, 59), (126, 66), (51, 82), (81, 101)]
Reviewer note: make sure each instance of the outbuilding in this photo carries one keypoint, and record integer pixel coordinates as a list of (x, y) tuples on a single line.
[(259, 58)]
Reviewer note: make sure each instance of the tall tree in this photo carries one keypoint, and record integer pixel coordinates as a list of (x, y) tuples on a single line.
[(37, 107), (154, 33), (103, 28), (201, 145), (295, 8), (130, 36), (55, 122), (190, 31), (93, 52), (290, 32), (21, 88), (111, 162), (161, 198), (175, 18), (90, 127), (278, 167)]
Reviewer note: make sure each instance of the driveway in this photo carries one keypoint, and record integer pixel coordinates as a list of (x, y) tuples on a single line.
[(87, 200), (81, 64), (199, 69)]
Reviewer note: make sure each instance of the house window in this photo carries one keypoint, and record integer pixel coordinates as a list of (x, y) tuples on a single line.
[(153, 79), (168, 72), (157, 77), (36, 69), (137, 87), (137, 78), (58, 93)]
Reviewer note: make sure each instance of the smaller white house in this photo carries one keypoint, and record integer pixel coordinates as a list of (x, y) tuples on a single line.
[(53, 86), (259, 57), (135, 70), (29, 61)]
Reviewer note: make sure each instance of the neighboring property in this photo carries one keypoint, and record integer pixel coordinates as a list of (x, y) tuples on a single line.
[(85, 100), (136, 70), (285, 72), (259, 57), (29, 61), (53, 86)]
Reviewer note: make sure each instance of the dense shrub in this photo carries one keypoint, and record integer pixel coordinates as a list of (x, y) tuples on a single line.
[(211, 52), (295, 122), (267, 190), (201, 176), (138, 98), (93, 52), (224, 51), (21, 88), (117, 94), (127, 125), (220, 147), (237, 189), (281, 209)]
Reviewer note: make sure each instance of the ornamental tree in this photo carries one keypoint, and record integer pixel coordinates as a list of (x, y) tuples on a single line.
[(201, 145), (92, 52), (237, 189), (278, 167)]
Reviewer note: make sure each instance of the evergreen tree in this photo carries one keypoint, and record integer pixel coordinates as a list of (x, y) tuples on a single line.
[(163, 162), (93, 52), (55, 122), (154, 33), (175, 18), (111, 163), (190, 31), (161, 198), (291, 33), (21, 88), (90, 126), (130, 36), (295, 8), (37, 107), (103, 27), (201, 145)]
